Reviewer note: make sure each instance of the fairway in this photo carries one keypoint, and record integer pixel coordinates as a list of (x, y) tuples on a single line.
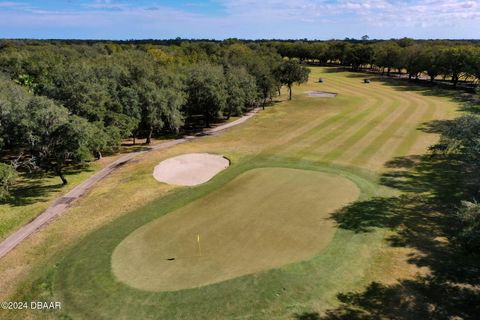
[(244, 227)]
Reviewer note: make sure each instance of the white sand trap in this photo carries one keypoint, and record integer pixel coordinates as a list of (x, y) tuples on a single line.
[(190, 169), (321, 94)]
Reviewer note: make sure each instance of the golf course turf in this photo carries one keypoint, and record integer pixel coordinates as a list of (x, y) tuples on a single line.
[(104, 258), (243, 228)]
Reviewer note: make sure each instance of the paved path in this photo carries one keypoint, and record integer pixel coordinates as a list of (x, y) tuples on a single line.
[(61, 204)]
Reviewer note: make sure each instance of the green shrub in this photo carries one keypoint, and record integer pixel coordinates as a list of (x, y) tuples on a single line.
[(469, 232), (8, 175)]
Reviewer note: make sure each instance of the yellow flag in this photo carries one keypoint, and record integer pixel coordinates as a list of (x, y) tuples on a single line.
[(198, 242)]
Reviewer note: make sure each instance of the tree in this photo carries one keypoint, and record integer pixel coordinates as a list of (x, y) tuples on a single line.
[(161, 104), (266, 84), (79, 89), (149, 96), (461, 137), (432, 63), (14, 113), (103, 140), (415, 60), (262, 66), (26, 81), (469, 226), (405, 42), (358, 55), (474, 63), (56, 138), (336, 51), (241, 91), (290, 72), (454, 62), (8, 175), (388, 55), (206, 91)]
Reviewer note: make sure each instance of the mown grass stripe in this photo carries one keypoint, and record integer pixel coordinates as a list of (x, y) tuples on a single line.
[(412, 137), (329, 119), (380, 103), (386, 104), (366, 140), (336, 132), (351, 108), (359, 134), (363, 111), (299, 140), (385, 152), (369, 152)]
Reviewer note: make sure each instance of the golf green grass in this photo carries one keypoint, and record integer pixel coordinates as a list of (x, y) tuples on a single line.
[(243, 228), (269, 263)]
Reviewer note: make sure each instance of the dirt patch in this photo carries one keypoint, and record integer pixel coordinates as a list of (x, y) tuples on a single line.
[(190, 169)]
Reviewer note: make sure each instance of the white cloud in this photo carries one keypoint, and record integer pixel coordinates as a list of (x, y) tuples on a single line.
[(250, 19), (107, 4), (375, 12), (7, 4)]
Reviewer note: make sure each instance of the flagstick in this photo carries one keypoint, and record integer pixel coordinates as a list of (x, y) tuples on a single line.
[(199, 248)]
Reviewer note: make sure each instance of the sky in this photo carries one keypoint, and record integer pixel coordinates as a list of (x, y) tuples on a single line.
[(245, 19)]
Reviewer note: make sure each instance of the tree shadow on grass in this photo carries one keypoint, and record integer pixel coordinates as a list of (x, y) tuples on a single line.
[(465, 98), (470, 107), (420, 298), (307, 316), (423, 221), (334, 69), (32, 188), (438, 89)]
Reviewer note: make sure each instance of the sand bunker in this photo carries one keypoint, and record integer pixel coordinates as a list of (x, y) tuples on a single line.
[(321, 94), (190, 169)]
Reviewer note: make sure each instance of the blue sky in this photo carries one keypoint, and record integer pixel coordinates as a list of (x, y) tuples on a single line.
[(220, 19)]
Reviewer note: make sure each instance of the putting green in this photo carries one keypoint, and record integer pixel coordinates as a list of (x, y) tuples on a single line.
[(244, 227)]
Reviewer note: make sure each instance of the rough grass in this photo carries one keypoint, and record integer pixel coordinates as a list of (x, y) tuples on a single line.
[(32, 195), (70, 259)]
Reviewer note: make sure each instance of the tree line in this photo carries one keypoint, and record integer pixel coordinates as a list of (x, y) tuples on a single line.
[(452, 61), (63, 104)]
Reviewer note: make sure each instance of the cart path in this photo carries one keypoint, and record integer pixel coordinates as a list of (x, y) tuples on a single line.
[(61, 205)]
